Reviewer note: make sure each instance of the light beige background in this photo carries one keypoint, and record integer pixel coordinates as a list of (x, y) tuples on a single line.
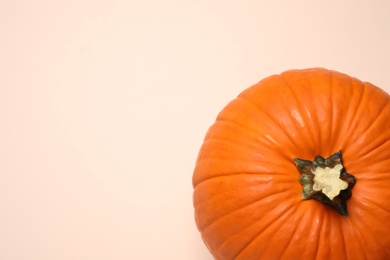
[(104, 105)]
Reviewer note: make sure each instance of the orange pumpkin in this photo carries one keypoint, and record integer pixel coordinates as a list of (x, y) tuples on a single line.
[(297, 167)]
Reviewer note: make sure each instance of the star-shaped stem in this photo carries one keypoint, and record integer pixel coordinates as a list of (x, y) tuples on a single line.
[(327, 181)]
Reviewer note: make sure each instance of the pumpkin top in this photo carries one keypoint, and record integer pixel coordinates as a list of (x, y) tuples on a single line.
[(249, 194)]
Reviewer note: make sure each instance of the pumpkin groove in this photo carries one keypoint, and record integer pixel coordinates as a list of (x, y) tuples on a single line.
[(381, 110), (249, 224), (247, 196), (372, 238), (258, 241), (378, 206), (270, 228), (270, 119), (258, 227), (243, 202), (225, 117), (273, 121), (375, 123), (294, 232), (305, 115)]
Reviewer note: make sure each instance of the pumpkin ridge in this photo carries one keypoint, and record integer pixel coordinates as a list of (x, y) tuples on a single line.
[(274, 122), (247, 143), (231, 236), (221, 160), (376, 147), (338, 127), (279, 230), (233, 141), (376, 119), (260, 170), (224, 175), (229, 121), (365, 238), (331, 104), (373, 124), (294, 144), (352, 110), (304, 219), (342, 126), (329, 229), (353, 121), (257, 235), (219, 218), (378, 141), (267, 141), (357, 232), (373, 202), (344, 240), (370, 178), (306, 118), (382, 110), (200, 202), (262, 165), (319, 233), (299, 221), (369, 236)]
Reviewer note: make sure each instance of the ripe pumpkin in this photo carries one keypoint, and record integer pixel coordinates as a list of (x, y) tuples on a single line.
[(297, 167)]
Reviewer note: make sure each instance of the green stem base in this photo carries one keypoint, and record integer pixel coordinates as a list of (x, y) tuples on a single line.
[(308, 181)]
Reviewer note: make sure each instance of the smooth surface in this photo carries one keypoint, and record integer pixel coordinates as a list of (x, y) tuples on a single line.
[(104, 105)]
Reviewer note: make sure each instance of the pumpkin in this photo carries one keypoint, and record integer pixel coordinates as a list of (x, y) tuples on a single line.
[(297, 167)]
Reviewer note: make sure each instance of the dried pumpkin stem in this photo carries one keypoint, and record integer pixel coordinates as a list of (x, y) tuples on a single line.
[(326, 181)]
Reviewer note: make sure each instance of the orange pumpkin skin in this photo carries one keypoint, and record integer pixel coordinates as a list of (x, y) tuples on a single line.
[(247, 197)]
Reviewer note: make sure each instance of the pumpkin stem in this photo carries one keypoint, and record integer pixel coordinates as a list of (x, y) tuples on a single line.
[(326, 181)]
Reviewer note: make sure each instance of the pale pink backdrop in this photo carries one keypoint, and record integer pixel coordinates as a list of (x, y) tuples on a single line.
[(104, 105)]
